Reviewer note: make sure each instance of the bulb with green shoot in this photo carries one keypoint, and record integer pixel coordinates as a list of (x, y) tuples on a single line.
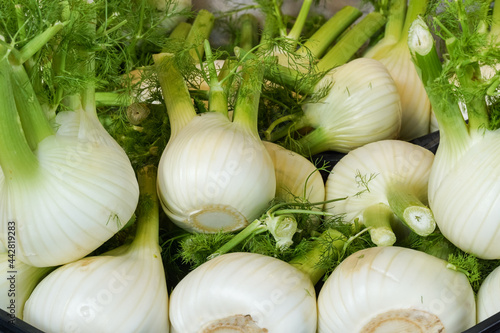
[(392, 51), (122, 290), (347, 103), (463, 193), (214, 174), (385, 184), (80, 189)]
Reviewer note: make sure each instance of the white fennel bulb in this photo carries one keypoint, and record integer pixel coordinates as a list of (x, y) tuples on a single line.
[(123, 290), (463, 193), (67, 195), (361, 106), (392, 290), (17, 283), (297, 178), (392, 51), (383, 182), (214, 174), (488, 300), (244, 292)]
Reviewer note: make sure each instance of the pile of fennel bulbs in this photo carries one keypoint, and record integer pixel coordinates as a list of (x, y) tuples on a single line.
[(191, 172)]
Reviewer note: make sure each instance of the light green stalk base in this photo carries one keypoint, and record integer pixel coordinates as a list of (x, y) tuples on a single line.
[(175, 92), (200, 30), (411, 211), (253, 228), (319, 42), (378, 218), (351, 42), (308, 262)]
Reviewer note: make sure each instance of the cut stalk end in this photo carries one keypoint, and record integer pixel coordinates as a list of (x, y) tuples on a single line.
[(215, 218), (379, 218), (420, 220), (382, 236), (404, 320), (233, 324)]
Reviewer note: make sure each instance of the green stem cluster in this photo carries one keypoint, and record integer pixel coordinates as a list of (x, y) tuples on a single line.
[(16, 157), (444, 103), (332, 243), (347, 41)]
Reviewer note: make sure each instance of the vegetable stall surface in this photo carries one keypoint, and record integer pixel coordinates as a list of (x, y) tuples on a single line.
[(394, 289)]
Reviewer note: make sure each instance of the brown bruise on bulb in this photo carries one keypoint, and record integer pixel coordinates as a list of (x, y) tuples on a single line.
[(404, 321), (215, 218), (233, 324)]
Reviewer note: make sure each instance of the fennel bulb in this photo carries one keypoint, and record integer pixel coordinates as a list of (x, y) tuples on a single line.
[(488, 302), (296, 177), (463, 191), (123, 290), (361, 106), (67, 195), (18, 282), (244, 292), (392, 51), (214, 174), (384, 183), (393, 289)]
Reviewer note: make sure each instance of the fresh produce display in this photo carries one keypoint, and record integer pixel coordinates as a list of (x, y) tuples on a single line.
[(252, 166)]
